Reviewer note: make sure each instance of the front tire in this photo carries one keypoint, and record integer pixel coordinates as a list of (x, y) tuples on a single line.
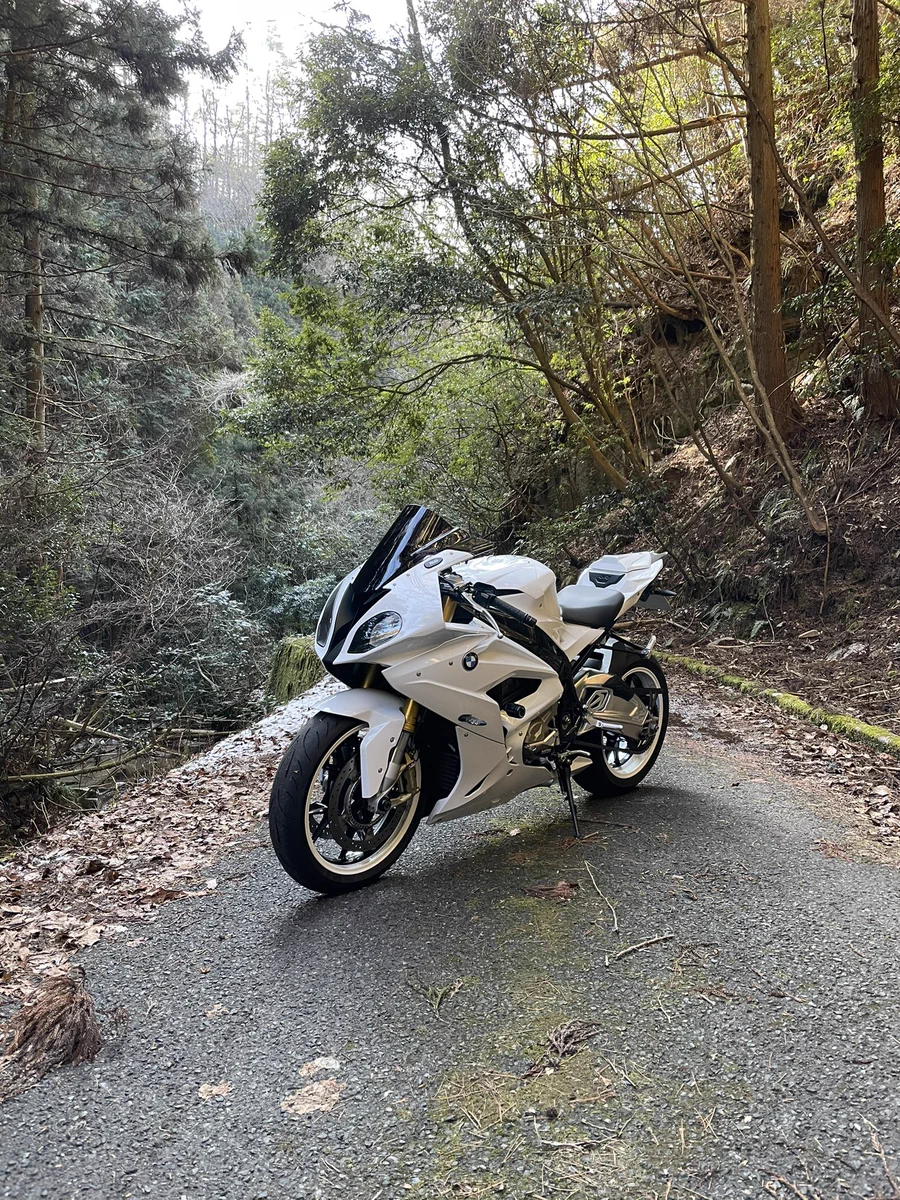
[(613, 770), (318, 822)]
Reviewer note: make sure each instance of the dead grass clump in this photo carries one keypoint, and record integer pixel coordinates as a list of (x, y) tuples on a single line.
[(57, 1028)]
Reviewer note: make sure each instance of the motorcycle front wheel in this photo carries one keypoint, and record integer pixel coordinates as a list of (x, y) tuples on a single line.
[(616, 769), (322, 831)]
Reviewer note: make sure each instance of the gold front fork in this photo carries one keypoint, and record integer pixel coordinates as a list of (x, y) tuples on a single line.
[(370, 675), (410, 711)]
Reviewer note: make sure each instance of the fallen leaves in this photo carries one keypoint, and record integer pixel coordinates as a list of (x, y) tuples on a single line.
[(88, 935), (212, 1091), (562, 892), (321, 1096), (833, 850), (317, 1065), (162, 895), (84, 880), (812, 753)]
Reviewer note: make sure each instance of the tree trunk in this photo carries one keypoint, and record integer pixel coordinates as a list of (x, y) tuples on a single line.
[(19, 126), (35, 408), (767, 333), (878, 385), (34, 321)]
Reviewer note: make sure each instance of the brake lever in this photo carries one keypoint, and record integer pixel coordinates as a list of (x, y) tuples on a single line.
[(469, 590), (488, 617)]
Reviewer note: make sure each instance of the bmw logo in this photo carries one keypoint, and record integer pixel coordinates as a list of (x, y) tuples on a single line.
[(470, 662)]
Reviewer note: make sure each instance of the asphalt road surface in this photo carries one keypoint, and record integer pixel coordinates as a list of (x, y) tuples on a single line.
[(754, 1050)]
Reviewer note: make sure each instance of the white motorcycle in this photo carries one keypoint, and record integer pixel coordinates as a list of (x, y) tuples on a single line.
[(471, 680)]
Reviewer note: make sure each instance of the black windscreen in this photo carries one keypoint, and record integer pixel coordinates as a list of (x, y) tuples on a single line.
[(415, 527)]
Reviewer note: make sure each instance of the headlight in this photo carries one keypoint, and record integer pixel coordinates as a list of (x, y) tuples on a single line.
[(375, 632)]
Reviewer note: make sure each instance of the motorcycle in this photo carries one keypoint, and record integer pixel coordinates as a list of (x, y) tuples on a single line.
[(470, 679)]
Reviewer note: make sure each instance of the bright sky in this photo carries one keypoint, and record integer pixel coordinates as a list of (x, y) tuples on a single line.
[(294, 20)]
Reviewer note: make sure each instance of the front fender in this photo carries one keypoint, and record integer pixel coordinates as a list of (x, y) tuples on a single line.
[(382, 712)]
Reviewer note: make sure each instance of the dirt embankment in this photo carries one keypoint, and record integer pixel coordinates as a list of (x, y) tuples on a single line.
[(760, 594)]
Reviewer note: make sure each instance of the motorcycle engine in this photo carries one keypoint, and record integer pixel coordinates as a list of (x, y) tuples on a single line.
[(542, 733)]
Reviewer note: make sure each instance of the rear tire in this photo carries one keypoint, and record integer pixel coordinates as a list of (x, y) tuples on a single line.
[(606, 776), (301, 793)]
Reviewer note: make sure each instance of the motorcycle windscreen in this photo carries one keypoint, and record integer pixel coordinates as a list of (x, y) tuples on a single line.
[(414, 528)]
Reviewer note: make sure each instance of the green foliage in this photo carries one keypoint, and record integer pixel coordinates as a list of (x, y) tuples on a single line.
[(118, 578)]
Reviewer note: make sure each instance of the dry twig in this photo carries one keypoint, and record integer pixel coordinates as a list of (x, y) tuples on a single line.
[(663, 937), (563, 1042), (605, 899)]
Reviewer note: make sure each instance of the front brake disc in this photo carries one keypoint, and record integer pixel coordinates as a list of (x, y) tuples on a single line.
[(342, 825)]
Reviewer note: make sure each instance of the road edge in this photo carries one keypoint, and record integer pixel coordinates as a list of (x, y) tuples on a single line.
[(874, 736)]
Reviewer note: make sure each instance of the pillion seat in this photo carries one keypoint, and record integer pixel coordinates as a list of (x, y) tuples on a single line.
[(585, 604)]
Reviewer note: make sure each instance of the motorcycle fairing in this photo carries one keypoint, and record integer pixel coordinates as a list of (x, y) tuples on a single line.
[(488, 777), (383, 714), (491, 752), (425, 664), (417, 595)]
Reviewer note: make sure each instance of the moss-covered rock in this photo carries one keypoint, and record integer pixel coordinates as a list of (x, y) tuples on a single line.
[(295, 668), (874, 736)]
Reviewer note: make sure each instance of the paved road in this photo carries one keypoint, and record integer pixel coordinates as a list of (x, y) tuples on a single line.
[(753, 1053)]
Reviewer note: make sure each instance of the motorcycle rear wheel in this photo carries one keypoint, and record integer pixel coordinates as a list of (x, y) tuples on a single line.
[(614, 770), (318, 822)]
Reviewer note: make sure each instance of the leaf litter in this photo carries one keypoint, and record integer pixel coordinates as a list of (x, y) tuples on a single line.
[(319, 1064), (321, 1096), (89, 878), (795, 748)]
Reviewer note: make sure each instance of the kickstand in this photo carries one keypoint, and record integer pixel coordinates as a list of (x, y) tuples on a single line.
[(564, 772)]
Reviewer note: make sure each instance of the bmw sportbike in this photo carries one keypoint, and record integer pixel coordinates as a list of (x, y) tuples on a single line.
[(470, 679)]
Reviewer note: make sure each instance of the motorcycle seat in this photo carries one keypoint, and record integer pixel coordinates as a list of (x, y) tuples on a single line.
[(586, 604)]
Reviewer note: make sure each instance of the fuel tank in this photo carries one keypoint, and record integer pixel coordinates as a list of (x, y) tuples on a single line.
[(524, 582)]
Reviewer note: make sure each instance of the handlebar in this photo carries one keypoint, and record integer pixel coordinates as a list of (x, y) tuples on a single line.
[(485, 596)]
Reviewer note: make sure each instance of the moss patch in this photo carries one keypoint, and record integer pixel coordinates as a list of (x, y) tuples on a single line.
[(595, 1123), (295, 668), (874, 736)]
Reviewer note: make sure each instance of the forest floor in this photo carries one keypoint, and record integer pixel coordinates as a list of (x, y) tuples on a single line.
[(854, 672), (816, 616), (450, 1033)]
